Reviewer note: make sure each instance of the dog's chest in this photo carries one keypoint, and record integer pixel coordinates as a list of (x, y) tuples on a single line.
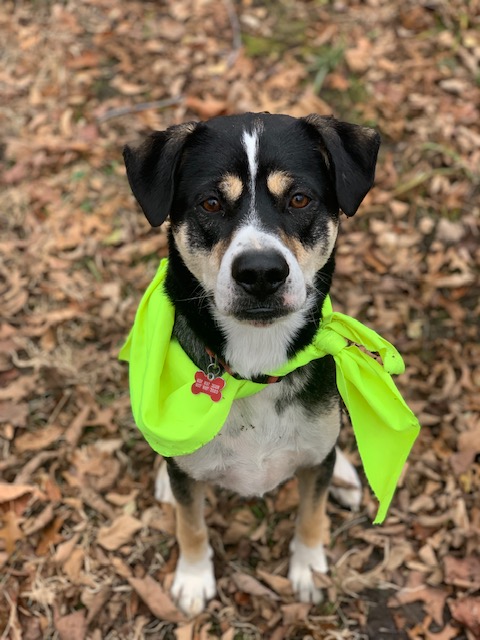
[(262, 444)]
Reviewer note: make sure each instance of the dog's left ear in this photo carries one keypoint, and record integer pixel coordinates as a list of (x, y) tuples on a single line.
[(353, 151), (151, 170)]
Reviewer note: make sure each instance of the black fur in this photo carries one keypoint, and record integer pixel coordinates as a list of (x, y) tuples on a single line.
[(151, 171), (180, 483), (353, 151), (324, 473)]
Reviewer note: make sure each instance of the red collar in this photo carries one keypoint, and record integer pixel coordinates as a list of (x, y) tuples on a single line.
[(218, 365)]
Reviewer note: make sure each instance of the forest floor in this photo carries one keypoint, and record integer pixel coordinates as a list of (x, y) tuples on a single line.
[(85, 550)]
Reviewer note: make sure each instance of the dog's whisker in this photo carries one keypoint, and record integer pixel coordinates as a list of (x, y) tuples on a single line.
[(202, 297)]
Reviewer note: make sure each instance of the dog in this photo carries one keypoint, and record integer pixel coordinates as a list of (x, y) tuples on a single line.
[(254, 203)]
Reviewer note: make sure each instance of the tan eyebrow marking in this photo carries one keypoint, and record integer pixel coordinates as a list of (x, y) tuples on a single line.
[(278, 182), (231, 186)]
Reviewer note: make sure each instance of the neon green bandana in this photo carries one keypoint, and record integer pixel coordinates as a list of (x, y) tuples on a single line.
[(176, 422)]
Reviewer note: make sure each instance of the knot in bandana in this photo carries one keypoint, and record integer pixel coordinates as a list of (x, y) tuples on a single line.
[(176, 422)]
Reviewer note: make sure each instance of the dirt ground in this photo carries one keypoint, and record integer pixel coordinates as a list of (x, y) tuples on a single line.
[(85, 550)]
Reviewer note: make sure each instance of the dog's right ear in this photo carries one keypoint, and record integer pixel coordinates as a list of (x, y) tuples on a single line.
[(151, 170)]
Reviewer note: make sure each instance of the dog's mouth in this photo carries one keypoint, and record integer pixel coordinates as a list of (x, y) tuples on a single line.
[(261, 316)]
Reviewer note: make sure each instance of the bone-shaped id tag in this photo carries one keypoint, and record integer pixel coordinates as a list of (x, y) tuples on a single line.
[(208, 384)]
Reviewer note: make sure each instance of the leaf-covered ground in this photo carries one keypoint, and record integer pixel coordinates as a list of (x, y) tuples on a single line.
[(85, 550)]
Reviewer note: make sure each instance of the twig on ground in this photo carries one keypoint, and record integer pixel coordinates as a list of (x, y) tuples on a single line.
[(25, 475), (236, 33), (137, 108)]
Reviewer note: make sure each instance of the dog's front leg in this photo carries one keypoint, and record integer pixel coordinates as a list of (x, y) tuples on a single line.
[(194, 581), (307, 552)]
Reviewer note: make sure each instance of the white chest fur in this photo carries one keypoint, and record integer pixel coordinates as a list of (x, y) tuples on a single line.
[(260, 447)]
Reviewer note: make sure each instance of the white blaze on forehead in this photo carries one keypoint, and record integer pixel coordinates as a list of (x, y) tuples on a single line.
[(250, 144)]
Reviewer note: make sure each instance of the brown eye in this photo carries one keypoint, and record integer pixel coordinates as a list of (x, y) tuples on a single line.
[(299, 201), (212, 205)]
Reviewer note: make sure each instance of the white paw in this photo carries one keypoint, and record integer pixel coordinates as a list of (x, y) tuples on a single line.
[(163, 490), (350, 494), (194, 584), (303, 561)]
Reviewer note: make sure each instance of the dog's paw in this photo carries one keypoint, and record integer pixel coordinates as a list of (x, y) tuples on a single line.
[(194, 584), (303, 561), (163, 490), (348, 492)]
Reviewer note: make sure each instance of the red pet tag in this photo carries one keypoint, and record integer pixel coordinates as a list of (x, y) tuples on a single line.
[(208, 384)]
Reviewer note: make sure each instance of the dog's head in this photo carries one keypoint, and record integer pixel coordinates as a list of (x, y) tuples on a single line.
[(253, 202)]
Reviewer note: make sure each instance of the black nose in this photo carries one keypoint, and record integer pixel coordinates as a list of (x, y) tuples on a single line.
[(260, 273)]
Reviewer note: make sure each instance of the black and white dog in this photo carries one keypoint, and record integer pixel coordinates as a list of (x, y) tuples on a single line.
[(254, 204)]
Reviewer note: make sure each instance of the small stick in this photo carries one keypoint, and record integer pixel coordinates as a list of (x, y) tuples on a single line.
[(137, 108), (236, 37)]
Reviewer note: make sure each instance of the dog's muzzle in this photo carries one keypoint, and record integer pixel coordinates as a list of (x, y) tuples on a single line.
[(260, 273)]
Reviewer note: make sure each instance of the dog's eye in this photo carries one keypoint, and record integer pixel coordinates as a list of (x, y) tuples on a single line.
[(212, 205), (299, 201)]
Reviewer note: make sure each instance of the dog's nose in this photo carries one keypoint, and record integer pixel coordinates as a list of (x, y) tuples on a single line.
[(260, 273)]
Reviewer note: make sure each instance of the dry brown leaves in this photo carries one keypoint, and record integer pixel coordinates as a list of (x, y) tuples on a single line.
[(85, 553)]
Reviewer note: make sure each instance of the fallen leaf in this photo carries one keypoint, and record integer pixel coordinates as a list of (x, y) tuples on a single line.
[(74, 431), (96, 601), (64, 550), (73, 566), (467, 611), (27, 470), (11, 532), (185, 632), (416, 590), (72, 626), (39, 439), (126, 87), (19, 389), (95, 468), (95, 501), (468, 447), (415, 18), (286, 498), (295, 612), (159, 603), (463, 572), (205, 107), (50, 536), (279, 584), (229, 634), (15, 174), (11, 492), (86, 59), (241, 525), (119, 532), (121, 500), (360, 57), (160, 519), (121, 567), (14, 413), (248, 584), (38, 522)]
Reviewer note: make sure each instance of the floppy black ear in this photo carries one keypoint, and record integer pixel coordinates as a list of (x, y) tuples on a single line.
[(151, 170), (353, 151)]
